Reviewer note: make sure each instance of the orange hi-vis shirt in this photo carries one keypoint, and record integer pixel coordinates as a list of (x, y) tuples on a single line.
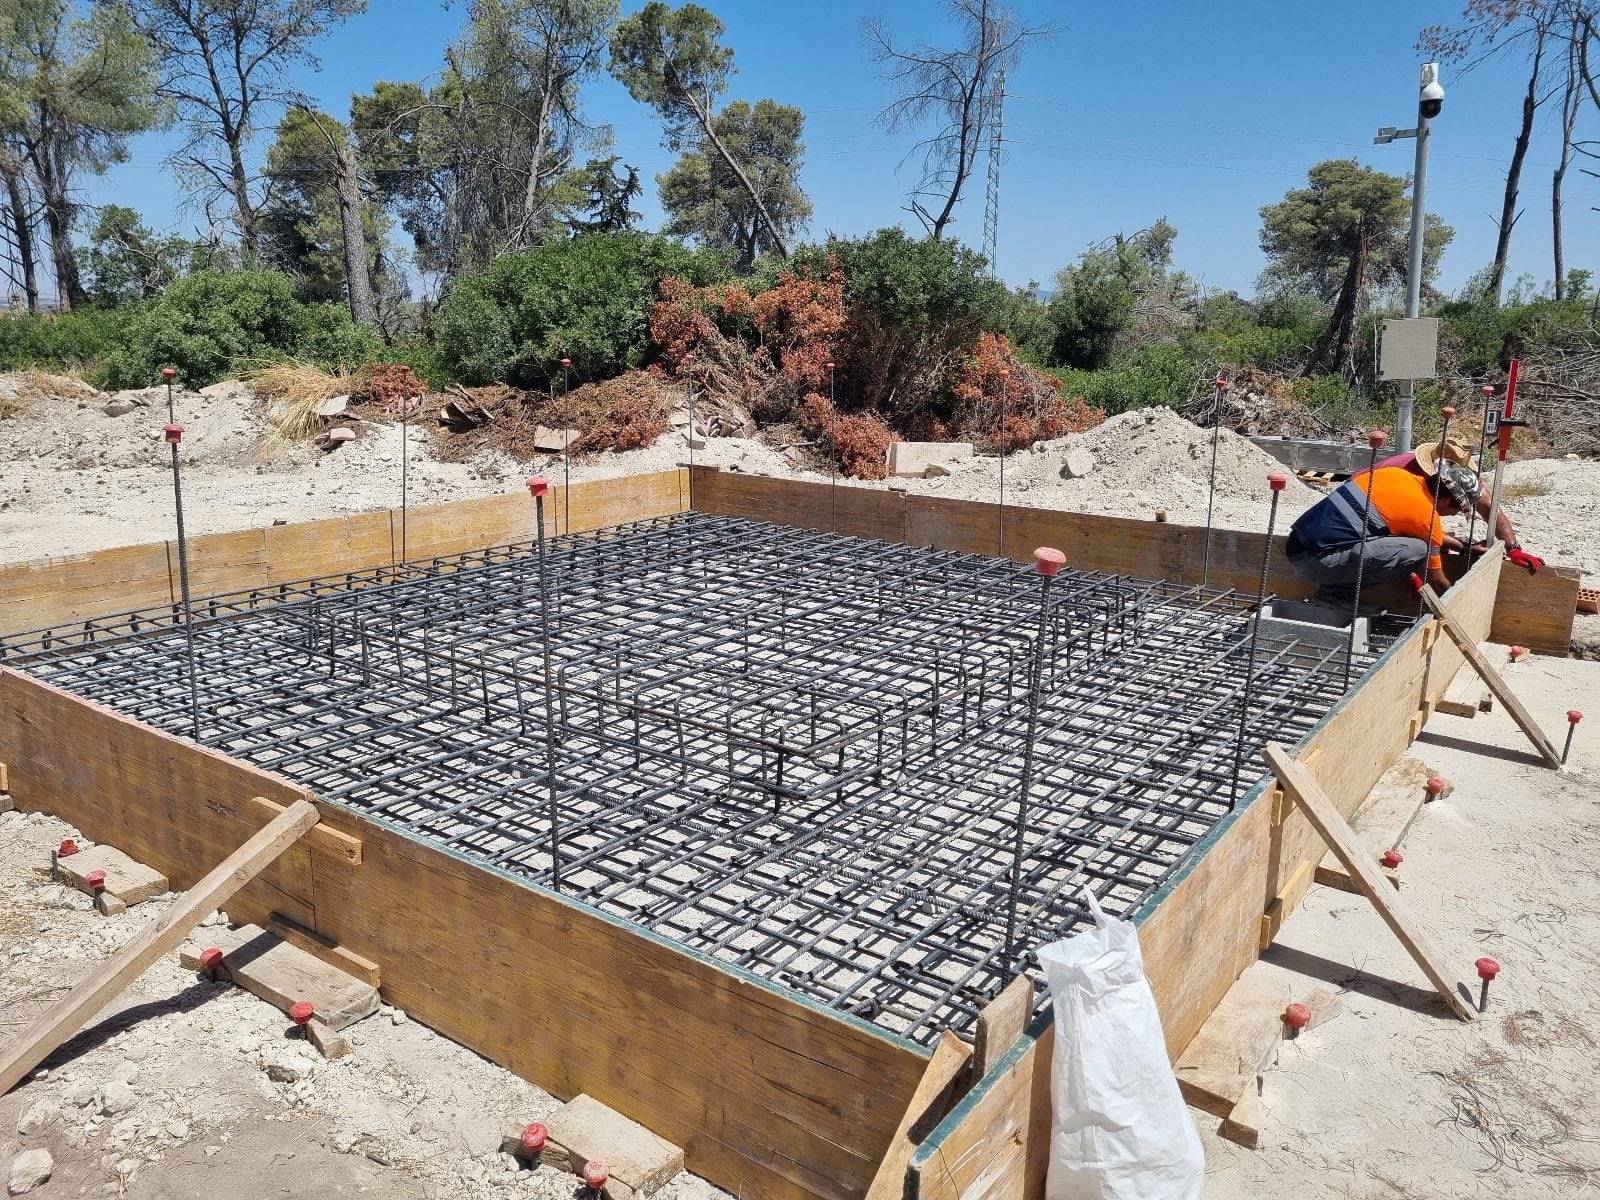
[(1404, 500)]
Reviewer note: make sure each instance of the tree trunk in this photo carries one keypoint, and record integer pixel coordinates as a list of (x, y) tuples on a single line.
[(21, 230), (232, 129), (703, 117), (357, 270), (541, 136), (1337, 335), (49, 170), (1571, 100), (1508, 211)]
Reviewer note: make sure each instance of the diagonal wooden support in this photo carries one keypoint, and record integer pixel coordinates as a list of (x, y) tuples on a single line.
[(944, 1068), (1491, 678), (1341, 839), (104, 983)]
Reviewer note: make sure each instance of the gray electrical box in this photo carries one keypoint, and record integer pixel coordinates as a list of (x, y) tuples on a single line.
[(1410, 349)]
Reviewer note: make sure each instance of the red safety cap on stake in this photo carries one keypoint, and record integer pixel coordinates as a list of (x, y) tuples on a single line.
[(1297, 1016), (1447, 412), (1048, 560), (1377, 438), (68, 847), (1518, 652), (596, 1173), (1436, 786), (167, 373), (96, 881), (1573, 716), (301, 1012), (566, 362), (1487, 390), (1222, 384), (1277, 480), (538, 485), (1415, 584), (1488, 968), (533, 1138), (210, 958), (1391, 858), (830, 366), (172, 433)]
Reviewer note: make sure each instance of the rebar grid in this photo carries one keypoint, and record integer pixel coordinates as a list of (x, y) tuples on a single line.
[(795, 752)]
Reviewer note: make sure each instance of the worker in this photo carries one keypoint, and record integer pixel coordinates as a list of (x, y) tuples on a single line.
[(1424, 461), (1403, 530)]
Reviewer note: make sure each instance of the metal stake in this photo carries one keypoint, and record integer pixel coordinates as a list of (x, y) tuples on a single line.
[(174, 434), (1211, 484), (566, 448), (1277, 481), (405, 454), (1000, 523), (1483, 448), (1376, 440), (688, 366), (1047, 562), (538, 486), (833, 438)]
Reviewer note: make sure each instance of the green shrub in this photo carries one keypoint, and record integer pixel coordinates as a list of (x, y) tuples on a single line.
[(55, 342), (214, 323), (586, 299), (916, 283), (1158, 374)]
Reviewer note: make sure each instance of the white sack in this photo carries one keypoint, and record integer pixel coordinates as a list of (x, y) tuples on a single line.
[(1120, 1129)]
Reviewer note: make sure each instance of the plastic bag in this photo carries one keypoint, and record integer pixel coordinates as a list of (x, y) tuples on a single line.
[(1120, 1129)]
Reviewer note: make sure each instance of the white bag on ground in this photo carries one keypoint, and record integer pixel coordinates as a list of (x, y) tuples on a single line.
[(1120, 1129)]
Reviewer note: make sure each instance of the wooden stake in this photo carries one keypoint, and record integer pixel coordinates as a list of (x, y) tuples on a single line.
[(944, 1068), (1341, 839), (1491, 678), (90, 995)]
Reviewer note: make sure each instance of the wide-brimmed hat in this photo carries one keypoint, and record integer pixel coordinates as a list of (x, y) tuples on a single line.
[(1457, 452)]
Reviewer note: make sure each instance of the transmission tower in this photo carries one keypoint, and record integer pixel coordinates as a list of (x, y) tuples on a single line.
[(991, 199)]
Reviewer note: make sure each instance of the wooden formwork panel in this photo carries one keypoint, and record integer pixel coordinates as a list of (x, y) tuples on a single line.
[(830, 507), (62, 591), (768, 1095)]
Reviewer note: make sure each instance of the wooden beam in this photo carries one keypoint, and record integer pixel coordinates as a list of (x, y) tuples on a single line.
[(90, 995), (1000, 1024), (1491, 678), (1341, 839), (944, 1068)]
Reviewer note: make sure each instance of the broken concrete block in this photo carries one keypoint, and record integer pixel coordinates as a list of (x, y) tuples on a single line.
[(119, 408), (128, 881), (936, 471), (1075, 464), (332, 406), (555, 441), (337, 437), (329, 1043), (283, 975), (640, 1161), (912, 459)]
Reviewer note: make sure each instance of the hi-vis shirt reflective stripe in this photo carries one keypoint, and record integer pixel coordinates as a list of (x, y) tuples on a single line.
[(1336, 519)]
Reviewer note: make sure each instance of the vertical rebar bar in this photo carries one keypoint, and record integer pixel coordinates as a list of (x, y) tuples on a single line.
[(538, 486), (833, 449), (1047, 562), (688, 367), (1277, 481), (174, 434), (566, 447), (405, 454), (1211, 482), (1483, 448), (1375, 439), (1438, 483), (1000, 518)]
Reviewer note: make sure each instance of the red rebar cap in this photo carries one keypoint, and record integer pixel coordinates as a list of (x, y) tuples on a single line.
[(1488, 968), (68, 847), (1436, 785), (96, 881), (1448, 412), (1047, 560), (566, 362), (1005, 372), (1377, 438), (210, 958), (301, 1011), (1222, 384), (538, 485), (1487, 389), (595, 1173), (533, 1138), (172, 433), (1391, 858), (1573, 716), (1517, 652), (1277, 480), (167, 373), (1415, 584), (1297, 1016)]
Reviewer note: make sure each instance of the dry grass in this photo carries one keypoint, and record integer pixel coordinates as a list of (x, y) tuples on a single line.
[(1525, 489), (293, 390), (28, 387)]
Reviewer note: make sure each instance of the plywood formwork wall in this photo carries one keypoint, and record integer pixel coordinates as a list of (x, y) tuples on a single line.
[(1200, 931), (73, 588), (768, 1095)]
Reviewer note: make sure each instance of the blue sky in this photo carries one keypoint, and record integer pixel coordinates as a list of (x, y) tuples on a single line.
[(1197, 112)]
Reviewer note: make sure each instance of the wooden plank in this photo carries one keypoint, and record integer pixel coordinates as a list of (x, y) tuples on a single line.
[(1467, 644), (1319, 810), (1001, 1023), (75, 588), (1283, 906), (329, 951), (949, 1063), (833, 507), (1536, 611), (282, 974), (1245, 1120), (1221, 1064), (1382, 821), (768, 1095), (108, 980)]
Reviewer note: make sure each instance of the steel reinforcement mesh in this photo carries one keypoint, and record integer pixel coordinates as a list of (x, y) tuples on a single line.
[(797, 752)]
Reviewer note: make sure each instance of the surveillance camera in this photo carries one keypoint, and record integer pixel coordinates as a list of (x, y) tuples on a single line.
[(1430, 100)]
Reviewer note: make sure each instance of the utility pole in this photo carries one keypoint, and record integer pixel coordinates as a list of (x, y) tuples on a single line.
[(1430, 100)]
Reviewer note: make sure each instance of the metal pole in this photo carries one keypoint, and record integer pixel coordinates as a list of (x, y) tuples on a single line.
[(1000, 523), (1211, 485), (688, 366), (1419, 212), (1047, 562), (566, 448), (1483, 448), (833, 449), (1376, 440), (1277, 481), (1504, 445), (539, 486), (405, 454), (174, 434)]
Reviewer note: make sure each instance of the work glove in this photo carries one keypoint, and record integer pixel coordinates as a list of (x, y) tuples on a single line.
[(1523, 559)]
